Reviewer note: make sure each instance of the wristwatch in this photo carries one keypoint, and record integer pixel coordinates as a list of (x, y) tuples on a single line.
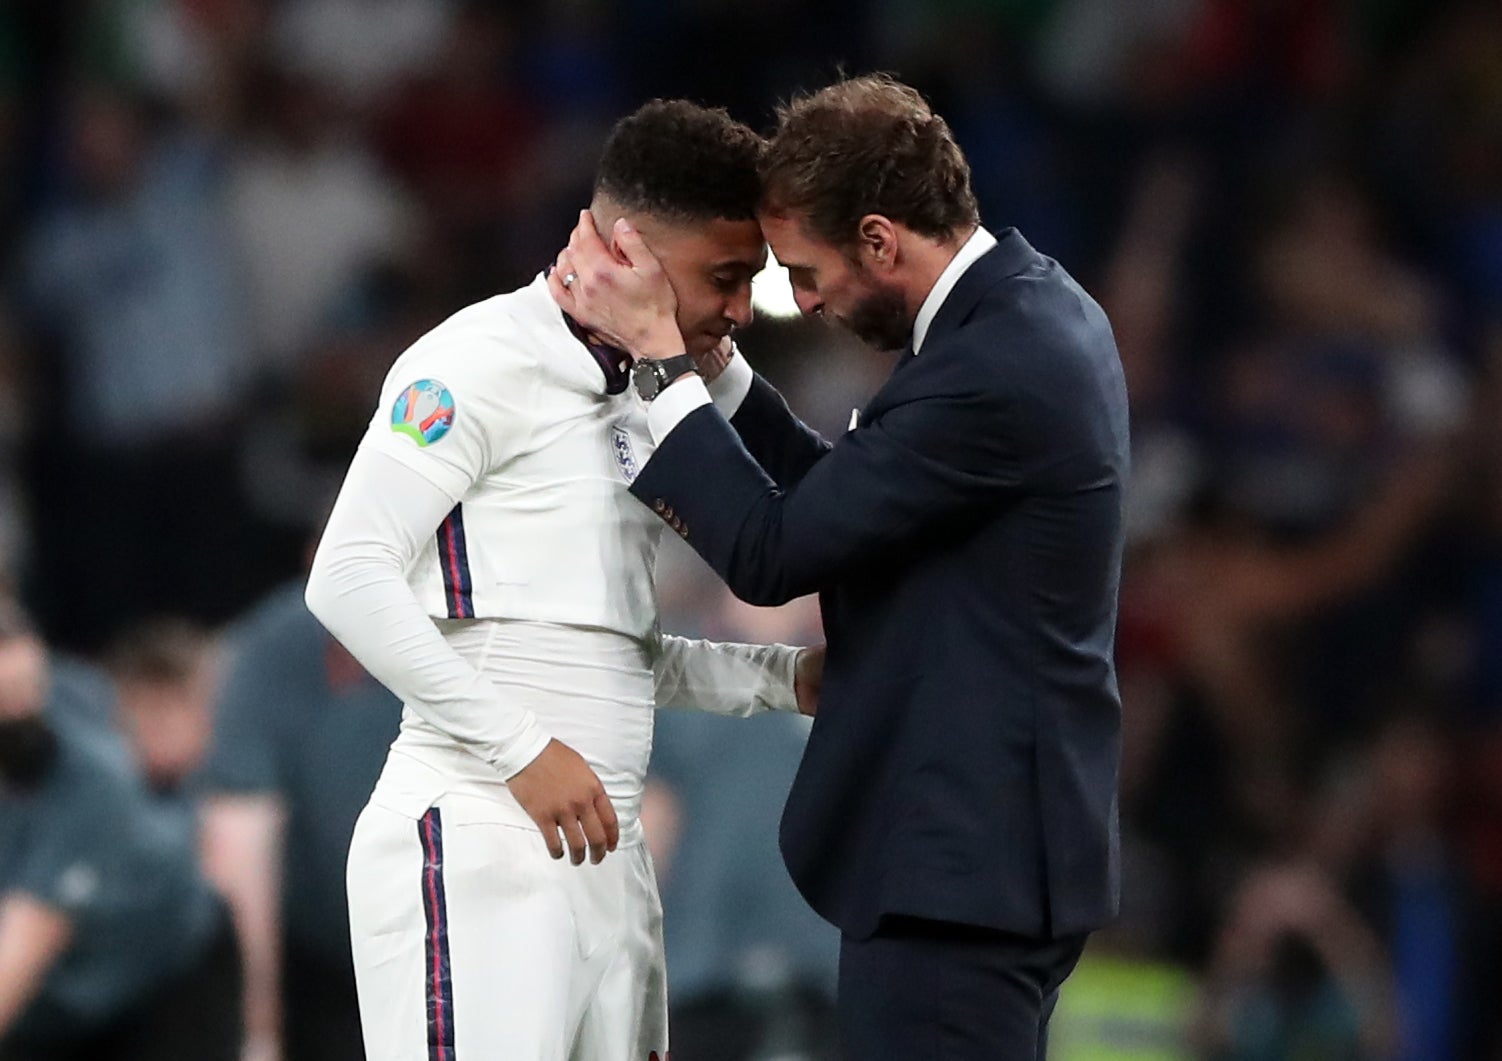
[(651, 376)]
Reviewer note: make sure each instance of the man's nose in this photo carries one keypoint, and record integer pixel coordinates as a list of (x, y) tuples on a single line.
[(809, 302)]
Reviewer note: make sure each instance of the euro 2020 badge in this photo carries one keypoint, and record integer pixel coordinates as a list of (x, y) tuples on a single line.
[(423, 412)]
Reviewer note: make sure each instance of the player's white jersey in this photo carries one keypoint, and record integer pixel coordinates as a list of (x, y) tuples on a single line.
[(530, 613), (505, 409), (541, 576)]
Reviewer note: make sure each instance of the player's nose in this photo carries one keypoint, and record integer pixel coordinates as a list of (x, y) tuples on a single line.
[(809, 302), (739, 310)]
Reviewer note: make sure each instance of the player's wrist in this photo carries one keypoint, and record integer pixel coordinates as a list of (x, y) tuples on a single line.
[(652, 377), (691, 373)]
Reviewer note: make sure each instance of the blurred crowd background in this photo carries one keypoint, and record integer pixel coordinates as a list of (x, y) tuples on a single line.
[(221, 220)]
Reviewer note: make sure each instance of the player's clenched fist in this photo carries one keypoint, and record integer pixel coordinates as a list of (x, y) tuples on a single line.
[(562, 795)]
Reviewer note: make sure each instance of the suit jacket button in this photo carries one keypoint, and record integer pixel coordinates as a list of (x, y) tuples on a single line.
[(659, 505)]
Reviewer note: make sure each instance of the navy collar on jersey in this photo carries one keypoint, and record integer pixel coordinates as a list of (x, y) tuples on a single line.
[(614, 363)]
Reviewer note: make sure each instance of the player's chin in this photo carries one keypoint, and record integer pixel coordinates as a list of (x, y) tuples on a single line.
[(701, 343)]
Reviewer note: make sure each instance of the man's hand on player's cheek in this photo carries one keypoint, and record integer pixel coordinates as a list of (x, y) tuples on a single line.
[(625, 296)]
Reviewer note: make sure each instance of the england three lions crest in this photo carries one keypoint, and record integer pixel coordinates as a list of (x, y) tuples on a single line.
[(625, 455)]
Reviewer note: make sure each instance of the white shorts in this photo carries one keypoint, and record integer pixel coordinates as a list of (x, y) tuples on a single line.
[(472, 944)]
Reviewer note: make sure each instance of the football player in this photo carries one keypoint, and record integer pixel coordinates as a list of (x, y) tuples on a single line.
[(486, 561)]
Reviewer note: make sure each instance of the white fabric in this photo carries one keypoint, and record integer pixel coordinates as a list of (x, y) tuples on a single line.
[(979, 243), (590, 689), (557, 638), (568, 639), (539, 456), (725, 679), (547, 961), (594, 691), (731, 386), (667, 411), (381, 524)]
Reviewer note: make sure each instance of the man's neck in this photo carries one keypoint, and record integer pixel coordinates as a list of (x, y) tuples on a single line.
[(929, 258)]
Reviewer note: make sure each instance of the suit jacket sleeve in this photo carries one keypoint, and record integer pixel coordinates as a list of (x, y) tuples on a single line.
[(782, 444), (919, 466)]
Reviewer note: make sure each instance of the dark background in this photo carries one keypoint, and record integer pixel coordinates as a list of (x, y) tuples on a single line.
[(221, 220)]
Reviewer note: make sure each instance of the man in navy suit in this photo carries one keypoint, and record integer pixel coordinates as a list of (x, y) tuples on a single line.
[(955, 812)]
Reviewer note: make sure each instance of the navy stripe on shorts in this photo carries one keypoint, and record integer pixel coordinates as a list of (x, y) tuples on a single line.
[(440, 988)]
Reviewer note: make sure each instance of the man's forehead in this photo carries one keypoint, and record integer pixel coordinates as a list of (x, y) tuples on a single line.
[(720, 244), (790, 230)]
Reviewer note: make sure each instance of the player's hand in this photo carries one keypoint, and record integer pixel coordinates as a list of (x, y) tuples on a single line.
[(710, 365), (562, 795), (624, 297), (808, 678)]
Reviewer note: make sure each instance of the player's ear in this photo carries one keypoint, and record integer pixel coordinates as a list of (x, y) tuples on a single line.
[(633, 226), (606, 216)]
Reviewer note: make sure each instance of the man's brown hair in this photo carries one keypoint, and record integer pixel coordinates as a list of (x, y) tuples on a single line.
[(867, 145)]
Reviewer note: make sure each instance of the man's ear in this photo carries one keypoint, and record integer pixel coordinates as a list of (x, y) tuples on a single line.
[(877, 242)]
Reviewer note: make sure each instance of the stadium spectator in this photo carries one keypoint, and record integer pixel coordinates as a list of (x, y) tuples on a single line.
[(313, 218), (164, 679), (112, 945), (300, 733), (1297, 973), (128, 276)]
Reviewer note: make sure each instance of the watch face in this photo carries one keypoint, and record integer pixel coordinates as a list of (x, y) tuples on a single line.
[(644, 375)]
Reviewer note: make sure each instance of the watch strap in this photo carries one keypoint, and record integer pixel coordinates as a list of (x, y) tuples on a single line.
[(662, 373)]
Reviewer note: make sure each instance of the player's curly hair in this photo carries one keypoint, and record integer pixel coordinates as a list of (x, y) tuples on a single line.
[(682, 161), (867, 145)]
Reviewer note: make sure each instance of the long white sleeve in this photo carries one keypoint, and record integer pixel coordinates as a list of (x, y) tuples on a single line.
[(725, 679), (357, 588), (730, 387)]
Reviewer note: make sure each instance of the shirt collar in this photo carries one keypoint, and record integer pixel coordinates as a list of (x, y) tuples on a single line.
[(614, 363), (979, 243)]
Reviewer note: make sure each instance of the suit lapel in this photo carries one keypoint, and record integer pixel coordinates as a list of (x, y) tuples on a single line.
[(1011, 255), (904, 360)]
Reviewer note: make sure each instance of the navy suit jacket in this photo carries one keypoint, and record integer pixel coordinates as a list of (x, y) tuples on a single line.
[(965, 539)]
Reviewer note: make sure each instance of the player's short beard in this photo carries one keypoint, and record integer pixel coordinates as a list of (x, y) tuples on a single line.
[(880, 318)]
